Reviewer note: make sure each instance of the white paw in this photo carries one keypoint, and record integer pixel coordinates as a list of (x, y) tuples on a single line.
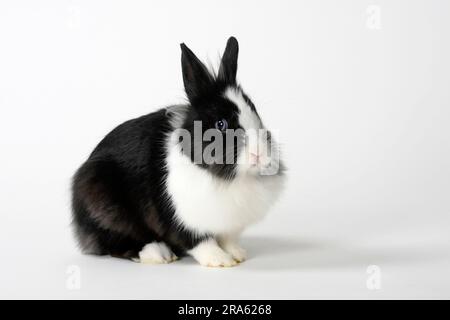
[(218, 259), (155, 253), (209, 254), (239, 254)]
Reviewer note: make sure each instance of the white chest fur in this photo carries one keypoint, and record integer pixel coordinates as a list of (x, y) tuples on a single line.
[(206, 204)]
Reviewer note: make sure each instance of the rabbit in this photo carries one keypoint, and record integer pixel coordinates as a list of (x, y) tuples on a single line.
[(144, 195)]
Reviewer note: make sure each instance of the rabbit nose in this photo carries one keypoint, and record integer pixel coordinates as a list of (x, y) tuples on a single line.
[(254, 158)]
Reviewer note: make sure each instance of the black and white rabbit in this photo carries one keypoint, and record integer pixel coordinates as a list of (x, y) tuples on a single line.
[(143, 195)]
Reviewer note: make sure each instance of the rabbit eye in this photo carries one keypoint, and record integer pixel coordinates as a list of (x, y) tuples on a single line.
[(222, 125)]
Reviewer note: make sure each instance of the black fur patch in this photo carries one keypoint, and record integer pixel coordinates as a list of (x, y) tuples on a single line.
[(119, 199)]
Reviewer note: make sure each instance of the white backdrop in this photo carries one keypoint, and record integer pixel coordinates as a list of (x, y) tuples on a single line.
[(358, 90)]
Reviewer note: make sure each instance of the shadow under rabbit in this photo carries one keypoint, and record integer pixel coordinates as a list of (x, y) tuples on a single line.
[(294, 254)]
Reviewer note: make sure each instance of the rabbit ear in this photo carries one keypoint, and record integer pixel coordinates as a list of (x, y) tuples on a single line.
[(196, 77), (228, 66)]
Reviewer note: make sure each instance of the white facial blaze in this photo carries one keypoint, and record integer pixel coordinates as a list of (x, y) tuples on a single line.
[(257, 147), (247, 118)]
